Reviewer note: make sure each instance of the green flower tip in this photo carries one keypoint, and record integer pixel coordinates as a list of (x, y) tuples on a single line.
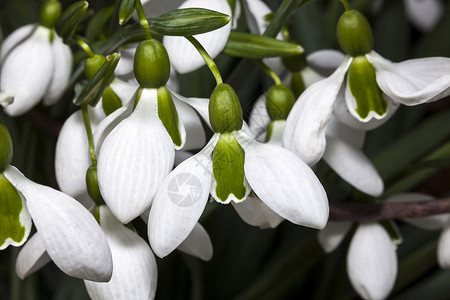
[(225, 113), (354, 33), (92, 186), (279, 102), (92, 64), (50, 12), (110, 101), (6, 147), (151, 64), (168, 115)]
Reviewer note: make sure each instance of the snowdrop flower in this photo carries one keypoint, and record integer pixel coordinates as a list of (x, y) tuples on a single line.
[(139, 148), (229, 167), (371, 259), (35, 63), (69, 233), (363, 92)]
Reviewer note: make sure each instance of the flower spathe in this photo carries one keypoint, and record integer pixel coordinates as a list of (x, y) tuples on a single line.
[(69, 233), (36, 64), (410, 83), (298, 197)]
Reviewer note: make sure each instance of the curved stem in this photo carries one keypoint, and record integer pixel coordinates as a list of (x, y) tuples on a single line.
[(87, 125), (142, 19), (83, 45), (346, 5), (209, 61), (268, 71)]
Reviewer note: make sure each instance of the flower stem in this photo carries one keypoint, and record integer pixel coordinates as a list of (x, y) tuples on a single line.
[(209, 61), (142, 19), (346, 5), (83, 45), (87, 125), (268, 71)]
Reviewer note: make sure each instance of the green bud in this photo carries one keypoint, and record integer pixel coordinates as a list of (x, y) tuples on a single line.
[(294, 63), (279, 102), (297, 84), (225, 113), (151, 64), (92, 185), (110, 101), (6, 147), (50, 13), (168, 115), (92, 64), (354, 33)]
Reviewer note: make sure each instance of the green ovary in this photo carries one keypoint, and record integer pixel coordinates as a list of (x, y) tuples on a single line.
[(363, 86), (11, 206), (228, 167)]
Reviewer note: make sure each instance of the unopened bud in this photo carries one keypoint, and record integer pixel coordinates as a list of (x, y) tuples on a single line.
[(50, 13), (225, 113), (354, 33), (279, 102), (151, 64), (92, 64)]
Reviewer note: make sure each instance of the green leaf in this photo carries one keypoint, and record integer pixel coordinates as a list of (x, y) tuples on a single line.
[(255, 46), (126, 11), (96, 25), (188, 21), (95, 87), (70, 19)]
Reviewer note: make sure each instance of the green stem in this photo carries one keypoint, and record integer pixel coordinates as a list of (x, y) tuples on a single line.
[(346, 5), (83, 45), (268, 71), (142, 19), (87, 125), (209, 61), (16, 283)]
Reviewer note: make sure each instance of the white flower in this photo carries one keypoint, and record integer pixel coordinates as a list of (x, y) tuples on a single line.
[(69, 233), (281, 180), (410, 83), (36, 64)]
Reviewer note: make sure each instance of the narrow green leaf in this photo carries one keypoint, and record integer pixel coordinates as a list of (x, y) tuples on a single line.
[(188, 21), (97, 24), (254, 46), (95, 87), (70, 19), (126, 11)]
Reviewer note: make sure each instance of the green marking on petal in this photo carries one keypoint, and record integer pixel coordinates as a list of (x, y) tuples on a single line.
[(364, 87), (11, 207), (168, 115), (228, 167), (110, 101)]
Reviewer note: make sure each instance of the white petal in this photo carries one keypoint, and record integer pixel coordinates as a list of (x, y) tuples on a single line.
[(431, 222), (414, 81), (16, 37), (27, 71), (68, 231), (285, 183), (134, 275), (123, 89), (277, 132), (353, 166), (325, 61), (154, 8), (259, 118), (72, 156), (199, 104), (372, 262), (342, 113), (62, 68), (443, 253), (183, 56), (198, 243), (256, 213), (180, 201), (306, 124), (332, 235), (310, 76), (351, 136), (110, 122), (124, 68), (181, 156), (32, 257), (195, 137), (424, 14), (236, 14), (134, 159)]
